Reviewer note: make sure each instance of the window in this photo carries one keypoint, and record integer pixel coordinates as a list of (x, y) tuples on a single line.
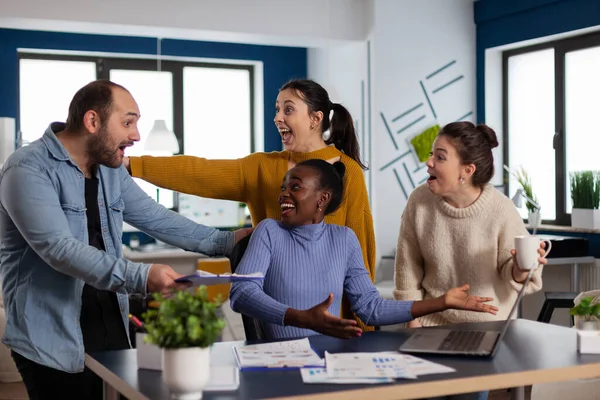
[(550, 101), (46, 88), (209, 106), (153, 92)]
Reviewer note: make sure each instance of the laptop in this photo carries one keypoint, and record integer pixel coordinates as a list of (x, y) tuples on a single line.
[(461, 342)]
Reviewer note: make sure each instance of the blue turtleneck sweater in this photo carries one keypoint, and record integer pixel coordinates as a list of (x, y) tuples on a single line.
[(302, 265)]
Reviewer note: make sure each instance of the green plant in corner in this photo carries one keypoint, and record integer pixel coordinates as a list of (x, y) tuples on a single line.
[(586, 310), (585, 189), (183, 320)]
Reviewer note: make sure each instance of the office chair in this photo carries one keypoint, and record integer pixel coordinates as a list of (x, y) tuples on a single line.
[(252, 327), (556, 300)]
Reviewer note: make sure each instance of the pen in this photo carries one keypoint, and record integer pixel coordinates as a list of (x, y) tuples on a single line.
[(136, 322)]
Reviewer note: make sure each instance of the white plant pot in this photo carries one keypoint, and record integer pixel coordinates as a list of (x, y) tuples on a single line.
[(585, 219), (588, 341), (186, 371)]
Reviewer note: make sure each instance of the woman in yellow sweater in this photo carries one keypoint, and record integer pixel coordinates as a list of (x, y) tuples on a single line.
[(303, 110)]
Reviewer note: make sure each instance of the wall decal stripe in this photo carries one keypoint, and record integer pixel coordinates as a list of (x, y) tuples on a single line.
[(448, 84), (400, 183), (464, 116), (428, 101), (387, 127), (407, 112), (395, 160), (440, 70), (408, 173), (422, 117)]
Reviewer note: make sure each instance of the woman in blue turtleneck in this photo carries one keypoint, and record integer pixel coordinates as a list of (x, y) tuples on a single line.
[(308, 265)]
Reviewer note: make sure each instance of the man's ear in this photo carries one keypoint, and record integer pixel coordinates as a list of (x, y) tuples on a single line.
[(91, 121)]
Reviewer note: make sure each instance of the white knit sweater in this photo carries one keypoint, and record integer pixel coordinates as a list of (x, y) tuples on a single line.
[(441, 247)]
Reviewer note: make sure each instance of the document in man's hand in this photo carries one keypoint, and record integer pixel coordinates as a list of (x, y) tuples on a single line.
[(206, 278), (287, 354)]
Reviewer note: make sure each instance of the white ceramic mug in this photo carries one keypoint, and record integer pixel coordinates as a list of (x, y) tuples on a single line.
[(527, 250)]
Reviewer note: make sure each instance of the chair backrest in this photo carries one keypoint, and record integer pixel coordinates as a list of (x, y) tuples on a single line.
[(252, 327)]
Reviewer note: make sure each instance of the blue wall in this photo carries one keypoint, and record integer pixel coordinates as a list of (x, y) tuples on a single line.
[(500, 22), (279, 63)]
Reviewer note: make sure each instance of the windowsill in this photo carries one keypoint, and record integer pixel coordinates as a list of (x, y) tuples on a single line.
[(563, 228)]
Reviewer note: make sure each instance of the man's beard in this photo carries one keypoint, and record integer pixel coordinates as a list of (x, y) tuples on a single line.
[(102, 152)]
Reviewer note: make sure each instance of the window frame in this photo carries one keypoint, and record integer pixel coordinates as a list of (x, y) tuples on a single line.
[(105, 64), (561, 48)]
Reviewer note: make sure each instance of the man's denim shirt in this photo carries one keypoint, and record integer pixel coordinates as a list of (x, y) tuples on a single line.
[(45, 257)]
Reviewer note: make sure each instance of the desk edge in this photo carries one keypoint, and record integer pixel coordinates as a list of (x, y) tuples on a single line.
[(459, 385)]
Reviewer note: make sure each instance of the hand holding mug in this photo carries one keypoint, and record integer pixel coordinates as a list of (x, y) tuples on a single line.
[(529, 253)]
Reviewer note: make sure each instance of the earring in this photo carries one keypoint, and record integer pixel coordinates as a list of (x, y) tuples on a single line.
[(320, 208), (461, 180), (312, 127)]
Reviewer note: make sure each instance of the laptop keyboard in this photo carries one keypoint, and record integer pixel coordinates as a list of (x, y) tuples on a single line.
[(462, 341)]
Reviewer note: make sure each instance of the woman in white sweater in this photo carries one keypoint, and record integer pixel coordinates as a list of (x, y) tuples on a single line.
[(459, 228)]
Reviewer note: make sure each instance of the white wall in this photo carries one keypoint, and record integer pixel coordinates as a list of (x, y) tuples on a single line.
[(410, 41), (305, 23)]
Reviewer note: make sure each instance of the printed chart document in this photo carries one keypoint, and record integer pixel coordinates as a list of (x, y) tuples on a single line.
[(288, 354), (319, 375), (367, 365), (206, 278), (367, 368)]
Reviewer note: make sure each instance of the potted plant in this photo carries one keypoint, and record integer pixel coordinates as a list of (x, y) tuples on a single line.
[(522, 177), (587, 313), (184, 326), (585, 194)]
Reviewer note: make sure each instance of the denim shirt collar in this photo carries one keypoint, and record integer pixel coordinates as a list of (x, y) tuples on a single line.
[(55, 147)]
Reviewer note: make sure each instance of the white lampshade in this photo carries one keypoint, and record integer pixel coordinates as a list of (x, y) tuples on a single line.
[(161, 138)]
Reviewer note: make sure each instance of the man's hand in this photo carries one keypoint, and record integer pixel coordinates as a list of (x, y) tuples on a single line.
[(161, 279), (459, 299), (319, 320), (242, 233)]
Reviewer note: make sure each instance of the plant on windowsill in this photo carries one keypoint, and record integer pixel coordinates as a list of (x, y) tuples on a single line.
[(587, 313), (585, 194), (522, 177), (184, 325)]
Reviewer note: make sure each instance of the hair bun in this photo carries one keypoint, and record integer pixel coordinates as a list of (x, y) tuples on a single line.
[(340, 168), (489, 135)]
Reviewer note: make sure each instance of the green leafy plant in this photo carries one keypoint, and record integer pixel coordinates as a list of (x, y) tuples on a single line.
[(585, 189), (423, 142), (183, 320), (586, 309), (525, 181)]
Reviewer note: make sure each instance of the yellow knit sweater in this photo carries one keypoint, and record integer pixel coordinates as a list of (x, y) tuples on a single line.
[(256, 180)]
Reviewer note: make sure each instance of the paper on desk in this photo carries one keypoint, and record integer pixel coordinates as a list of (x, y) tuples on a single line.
[(367, 365), (319, 375), (206, 278), (286, 354)]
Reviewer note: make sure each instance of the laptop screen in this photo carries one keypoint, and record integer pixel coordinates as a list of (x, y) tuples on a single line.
[(516, 304)]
